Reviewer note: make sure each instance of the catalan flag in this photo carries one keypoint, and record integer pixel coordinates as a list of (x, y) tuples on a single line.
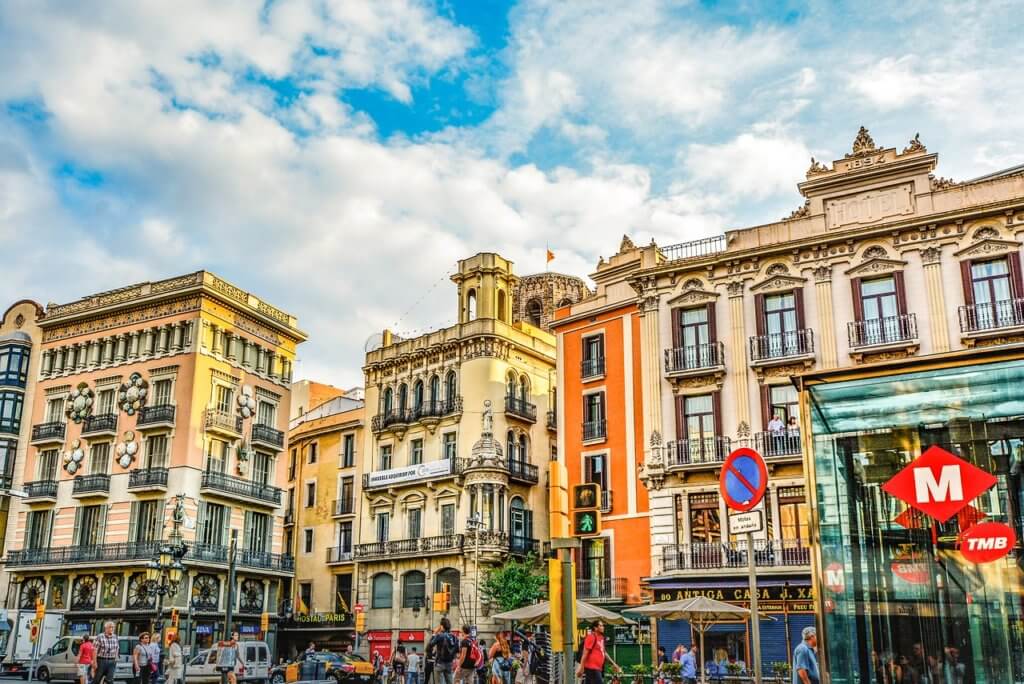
[(300, 606), (551, 256)]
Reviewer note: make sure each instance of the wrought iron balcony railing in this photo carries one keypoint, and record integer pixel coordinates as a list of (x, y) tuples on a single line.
[(694, 249), (144, 551), (782, 345), (695, 357), (223, 421), (267, 435), (148, 478), (523, 471), (785, 443), (878, 331), (520, 408), (41, 489), (552, 420), (158, 414), (698, 451), (590, 368), (1007, 313), (226, 484), (49, 432), (595, 429), (104, 422), (427, 411), (601, 589), (345, 506), (521, 546), (91, 484), (421, 546), (339, 554), (768, 553)]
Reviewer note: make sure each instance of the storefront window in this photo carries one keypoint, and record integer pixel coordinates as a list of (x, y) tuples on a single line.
[(900, 601)]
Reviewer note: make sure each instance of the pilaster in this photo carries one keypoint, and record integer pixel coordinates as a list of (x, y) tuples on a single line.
[(826, 315), (737, 354), (931, 258)]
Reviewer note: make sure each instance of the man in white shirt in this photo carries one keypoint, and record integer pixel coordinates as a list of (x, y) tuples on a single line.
[(413, 668), (776, 426)]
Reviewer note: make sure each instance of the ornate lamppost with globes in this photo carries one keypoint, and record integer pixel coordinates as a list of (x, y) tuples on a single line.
[(165, 570)]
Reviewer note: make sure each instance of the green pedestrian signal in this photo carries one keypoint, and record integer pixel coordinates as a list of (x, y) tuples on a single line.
[(586, 523)]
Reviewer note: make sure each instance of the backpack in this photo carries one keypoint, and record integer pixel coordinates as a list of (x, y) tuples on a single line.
[(447, 648), (476, 654)]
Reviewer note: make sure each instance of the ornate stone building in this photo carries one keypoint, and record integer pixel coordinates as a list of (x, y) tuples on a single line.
[(461, 430), (179, 386), (535, 297)]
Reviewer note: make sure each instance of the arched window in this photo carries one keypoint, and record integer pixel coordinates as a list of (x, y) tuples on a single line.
[(403, 398), (511, 385), (450, 389), (417, 396), (383, 586), (524, 454), (510, 446), (435, 391), (565, 302), (520, 526), (534, 311), (451, 577), (524, 388), (414, 589), (501, 305), (389, 401), (471, 305)]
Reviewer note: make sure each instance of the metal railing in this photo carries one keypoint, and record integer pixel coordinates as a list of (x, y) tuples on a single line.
[(458, 465), (91, 484), (438, 408), (227, 484), (590, 368), (768, 553), (521, 546), (523, 471), (695, 357), (785, 443), (216, 553), (888, 330), (552, 420), (699, 451), (595, 429), (41, 489), (147, 478), (48, 431), (338, 554), (694, 248), (410, 547), (156, 414), (606, 501), (222, 420), (268, 435), (601, 588), (520, 408), (1007, 313), (782, 345), (125, 551), (345, 506), (104, 422)]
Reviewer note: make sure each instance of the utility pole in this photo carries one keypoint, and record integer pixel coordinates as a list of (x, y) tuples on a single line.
[(229, 614), (475, 524)]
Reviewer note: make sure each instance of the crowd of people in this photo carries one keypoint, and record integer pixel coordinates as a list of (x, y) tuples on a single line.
[(918, 667), (98, 655), (722, 663)]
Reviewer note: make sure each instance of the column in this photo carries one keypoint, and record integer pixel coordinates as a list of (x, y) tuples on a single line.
[(931, 258), (737, 353), (161, 344), (58, 361), (186, 334), (271, 365), (650, 361), (81, 356), (121, 348), (230, 341), (133, 344), (260, 359), (246, 353), (826, 316), (177, 331), (215, 339), (144, 342), (44, 366), (108, 350)]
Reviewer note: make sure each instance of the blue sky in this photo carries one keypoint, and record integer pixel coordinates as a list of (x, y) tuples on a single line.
[(335, 156)]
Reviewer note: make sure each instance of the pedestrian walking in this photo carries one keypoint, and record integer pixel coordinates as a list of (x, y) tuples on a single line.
[(414, 666), (592, 661), (174, 666), (141, 665), (688, 666), (227, 659), (443, 649), (805, 658), (86, 660), (469, 658), (108, 649)]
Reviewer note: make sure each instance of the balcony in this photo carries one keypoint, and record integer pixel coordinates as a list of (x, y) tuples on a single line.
[(521, 471), (338, 554), (770, 444), (523, 546), (521, 409), (592, 368), (147, 480), (990, 319), (595, 430), (223, 422), (698, 452), (783, 347), (422, 546), (883, 334), (98, 553), (261, 560), (289, 517), (429, 412), (606, 501), (768, 553), (598, 589), (345, 506), (90, 485), (102, 424), (161, 415), (227, 485), (414, 474), (41, 490), (44, 433), (552, 421), (694, 249), (267, 436), (695, 360)]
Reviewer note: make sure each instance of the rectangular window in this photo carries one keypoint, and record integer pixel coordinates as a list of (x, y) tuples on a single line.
[(784, 404), (55, 410), (105, 402), (262, 468), (449, 445), (345, 536), (794, 514), (698, 427), (307, 541), (257, 532), (415, 518), (216, 459), (99, 458), (992, 295), (213, 524), (266, 414), (310, 494), (343, 594), (291, 464), (312, 452), (11, 405), (705, 521), (306, 596), (225, 396), (383, 523), (596, 564), (448, 519), (37, 534), (385, 457), (89, 523), (593, 356), (596, 470), (593, 416), (147, 521), (347, 494), (780, 314), (156, 451), (162, 392), (416, 452), (48, 464), (14, 365), (990, 281), (348, 451), (878, 298)]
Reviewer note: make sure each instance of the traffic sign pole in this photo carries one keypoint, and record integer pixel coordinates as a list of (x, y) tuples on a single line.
[(755, 619)]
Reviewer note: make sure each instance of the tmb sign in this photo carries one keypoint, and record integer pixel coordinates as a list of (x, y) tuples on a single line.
[(939, 484), (986, 542)]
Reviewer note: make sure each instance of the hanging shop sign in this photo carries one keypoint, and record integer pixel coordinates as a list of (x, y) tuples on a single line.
[(411, 473), (987, 542)]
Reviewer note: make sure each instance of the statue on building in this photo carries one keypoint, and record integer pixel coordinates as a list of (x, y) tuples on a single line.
[(488, 418)]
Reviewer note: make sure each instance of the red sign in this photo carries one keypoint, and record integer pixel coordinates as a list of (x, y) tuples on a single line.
[(379, 635), (938, 483), (987, 542), (357, 608), (835, 578), (743, 480), (415, 636), (911, 568)]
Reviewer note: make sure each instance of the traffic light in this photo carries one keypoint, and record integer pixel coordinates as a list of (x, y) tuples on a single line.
[(586, 523), (586, 514), (174, 617), (586, 496), (265, 622), (446, 595), (40, 610), (360, 622)]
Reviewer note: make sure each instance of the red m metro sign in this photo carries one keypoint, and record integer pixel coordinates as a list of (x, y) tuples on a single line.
[(939, 483)]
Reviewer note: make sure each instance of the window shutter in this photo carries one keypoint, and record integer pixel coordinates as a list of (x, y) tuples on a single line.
[(766, 406), (968, 282), (759, 313), (680, 417), (528, 523), (78, 527), (133, 521), (102, 524), (268, 542), (712, 328), (901, 292), (858, 304), (798, 302), (225, 533), (202, 533), (677, 315), (1016, 282), (48, 525), (246, 529), (716, 404)]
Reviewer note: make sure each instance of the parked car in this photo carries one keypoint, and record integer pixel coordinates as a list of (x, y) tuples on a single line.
[(60, 662), (253, 664), (347, 668)]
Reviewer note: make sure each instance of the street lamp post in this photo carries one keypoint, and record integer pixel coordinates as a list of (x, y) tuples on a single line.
[(475, 524), (165, 570)]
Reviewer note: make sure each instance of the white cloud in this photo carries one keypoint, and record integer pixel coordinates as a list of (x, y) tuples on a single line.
[(752, 166)]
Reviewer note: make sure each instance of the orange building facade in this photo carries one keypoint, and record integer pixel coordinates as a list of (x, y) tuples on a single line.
[(600, 427)]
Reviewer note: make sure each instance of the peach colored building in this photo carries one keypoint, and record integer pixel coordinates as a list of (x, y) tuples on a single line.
[(179, 386)]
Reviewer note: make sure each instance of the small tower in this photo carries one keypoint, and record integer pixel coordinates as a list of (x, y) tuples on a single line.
[(485, 284)]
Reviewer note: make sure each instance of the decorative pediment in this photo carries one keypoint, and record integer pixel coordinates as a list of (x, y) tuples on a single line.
[(382, 501), (445, 494), (413, 500), (987, 247), (778, 283), (692, 295), (876, 266)]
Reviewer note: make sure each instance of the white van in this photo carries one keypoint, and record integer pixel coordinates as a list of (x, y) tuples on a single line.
[(60, 662), (253, 664)]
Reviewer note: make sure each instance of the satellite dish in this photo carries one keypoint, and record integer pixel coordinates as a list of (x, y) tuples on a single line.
[(373, 342)]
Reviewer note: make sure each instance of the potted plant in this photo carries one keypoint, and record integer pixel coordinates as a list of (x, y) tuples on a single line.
[(734, 669), (673, 671), (639, 671), (781, 669)]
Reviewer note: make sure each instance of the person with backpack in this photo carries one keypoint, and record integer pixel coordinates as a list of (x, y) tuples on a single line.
[(593, 656), (470, 658), (443, 649), (501, 661)]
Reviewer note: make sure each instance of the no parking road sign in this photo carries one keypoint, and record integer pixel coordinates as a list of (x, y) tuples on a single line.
[(744, 479)]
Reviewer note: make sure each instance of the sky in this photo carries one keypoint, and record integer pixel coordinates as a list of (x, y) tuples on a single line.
[(337, 157)]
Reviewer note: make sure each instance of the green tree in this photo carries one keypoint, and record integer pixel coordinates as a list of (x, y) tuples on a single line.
[(515, 584)]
